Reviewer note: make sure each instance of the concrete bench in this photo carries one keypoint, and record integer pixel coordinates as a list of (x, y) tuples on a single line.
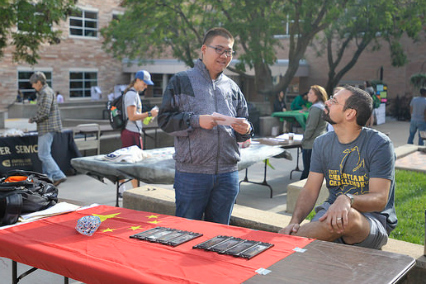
[(405, 150), (155, 199), (293, 191)]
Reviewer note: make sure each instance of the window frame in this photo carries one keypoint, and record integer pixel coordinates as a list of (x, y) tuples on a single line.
[(84, 20), (29, 91), (85, 84)]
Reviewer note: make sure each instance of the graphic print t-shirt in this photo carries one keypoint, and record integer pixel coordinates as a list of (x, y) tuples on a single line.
[(348, 168)]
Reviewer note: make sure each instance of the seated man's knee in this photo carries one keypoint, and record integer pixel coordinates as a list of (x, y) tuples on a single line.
[(357, 228)]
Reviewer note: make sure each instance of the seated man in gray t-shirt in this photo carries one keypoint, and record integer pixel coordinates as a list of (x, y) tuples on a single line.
[(358, 164)]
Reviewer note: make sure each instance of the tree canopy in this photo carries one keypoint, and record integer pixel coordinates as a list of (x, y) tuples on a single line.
[(369, 24), (26, 24), (149, 28)]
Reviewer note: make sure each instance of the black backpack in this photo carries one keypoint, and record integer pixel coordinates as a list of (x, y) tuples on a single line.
[(116, 114), (24, 192)]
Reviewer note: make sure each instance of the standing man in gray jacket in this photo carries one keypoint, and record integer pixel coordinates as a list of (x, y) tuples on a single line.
[(206, 152)]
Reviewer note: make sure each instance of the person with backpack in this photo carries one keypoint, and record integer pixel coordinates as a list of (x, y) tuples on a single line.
[(131, 133)]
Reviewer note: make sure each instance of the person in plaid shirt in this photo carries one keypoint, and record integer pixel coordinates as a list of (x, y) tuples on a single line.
[(48, 122)]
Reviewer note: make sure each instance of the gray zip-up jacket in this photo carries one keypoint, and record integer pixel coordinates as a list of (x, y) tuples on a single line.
[(190, 94)]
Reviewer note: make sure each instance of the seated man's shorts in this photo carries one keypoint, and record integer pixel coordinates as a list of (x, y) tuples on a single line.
[(378, 236)]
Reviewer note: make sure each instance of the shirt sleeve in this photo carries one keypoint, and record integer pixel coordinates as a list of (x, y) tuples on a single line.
[(44, 105), (382, 163)]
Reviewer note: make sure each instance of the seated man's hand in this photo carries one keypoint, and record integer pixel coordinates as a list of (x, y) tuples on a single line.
[(336, 216), (291, 229)]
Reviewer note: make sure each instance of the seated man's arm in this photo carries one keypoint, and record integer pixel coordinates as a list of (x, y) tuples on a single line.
[(376, 199), (305, 202)]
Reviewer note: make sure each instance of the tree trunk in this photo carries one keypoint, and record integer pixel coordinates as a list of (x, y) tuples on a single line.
[(263, 80)]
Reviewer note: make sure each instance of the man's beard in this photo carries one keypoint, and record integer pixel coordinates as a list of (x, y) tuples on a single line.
[(326, 116)]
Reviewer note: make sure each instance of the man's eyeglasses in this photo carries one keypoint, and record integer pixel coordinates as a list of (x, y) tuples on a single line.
[(221, 50), (333, 101)]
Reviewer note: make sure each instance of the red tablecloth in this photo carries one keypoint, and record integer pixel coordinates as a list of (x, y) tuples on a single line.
[(110, 256)]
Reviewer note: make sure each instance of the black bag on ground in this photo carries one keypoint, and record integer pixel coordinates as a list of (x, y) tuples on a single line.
[(24, 192), (116, 114)]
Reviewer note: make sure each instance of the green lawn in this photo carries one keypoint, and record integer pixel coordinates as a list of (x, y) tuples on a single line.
[(410, 206), (410, 202)]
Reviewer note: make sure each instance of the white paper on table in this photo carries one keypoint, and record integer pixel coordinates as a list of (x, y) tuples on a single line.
[(296, 137), (228, 119), (57, 209)]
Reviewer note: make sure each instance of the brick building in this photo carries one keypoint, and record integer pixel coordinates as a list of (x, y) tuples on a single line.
[(79, 63), (76, 64)]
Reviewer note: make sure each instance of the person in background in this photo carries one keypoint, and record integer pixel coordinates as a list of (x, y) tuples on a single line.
[(279, 104), (370, 90), (300, 102), (358, 164), (206, 154), (418, 116), (59, 98), (48, 121), (315, 125), (19, 97), (132, 133)]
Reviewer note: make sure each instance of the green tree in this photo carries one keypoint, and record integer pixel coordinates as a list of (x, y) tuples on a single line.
[(369, 24), (26, 24), (149, 28)]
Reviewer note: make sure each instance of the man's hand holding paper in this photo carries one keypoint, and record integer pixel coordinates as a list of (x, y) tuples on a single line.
[(239, 124)]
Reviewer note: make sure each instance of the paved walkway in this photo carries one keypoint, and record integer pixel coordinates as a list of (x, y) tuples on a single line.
[(414, 161)]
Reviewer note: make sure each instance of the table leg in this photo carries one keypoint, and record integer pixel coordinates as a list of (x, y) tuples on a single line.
[(14, 272), (15, 277), (297, 164), (264, 182), (117, 182)]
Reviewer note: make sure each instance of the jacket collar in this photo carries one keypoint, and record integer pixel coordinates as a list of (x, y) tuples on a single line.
[(199, 64)]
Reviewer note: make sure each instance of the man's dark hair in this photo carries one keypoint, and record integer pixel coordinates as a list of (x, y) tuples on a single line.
[(214, 32), (423, 92), (360, 101)]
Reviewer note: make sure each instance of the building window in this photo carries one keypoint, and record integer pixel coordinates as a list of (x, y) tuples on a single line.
[(284, 32), (159, 83), (81, 82), (25, 86), (116, 16), (84, 23)]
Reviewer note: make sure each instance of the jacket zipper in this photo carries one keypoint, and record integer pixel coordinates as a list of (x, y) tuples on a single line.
[(218, 136)]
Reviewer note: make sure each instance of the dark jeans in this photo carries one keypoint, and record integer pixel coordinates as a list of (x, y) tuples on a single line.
[(306, 156), (206, 194)]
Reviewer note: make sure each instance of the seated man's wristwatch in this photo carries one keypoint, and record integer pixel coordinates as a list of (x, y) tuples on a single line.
[(149, 114), (351, 197)]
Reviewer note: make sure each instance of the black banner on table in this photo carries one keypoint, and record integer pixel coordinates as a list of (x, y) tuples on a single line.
[(22, 152)]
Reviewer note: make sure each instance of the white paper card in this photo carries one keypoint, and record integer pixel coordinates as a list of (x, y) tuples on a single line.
[(228, 119)]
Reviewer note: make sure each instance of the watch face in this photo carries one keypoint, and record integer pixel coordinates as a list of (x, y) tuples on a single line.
[(351, 197)]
